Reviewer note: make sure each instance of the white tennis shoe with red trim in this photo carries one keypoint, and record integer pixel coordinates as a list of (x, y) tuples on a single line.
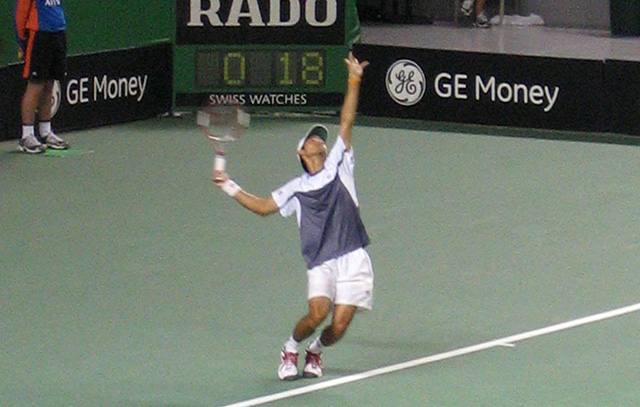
[(312, 365), (288, 369)]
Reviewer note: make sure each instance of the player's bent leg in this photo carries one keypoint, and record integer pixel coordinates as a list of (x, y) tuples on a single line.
[(342, 317), (319, 308)]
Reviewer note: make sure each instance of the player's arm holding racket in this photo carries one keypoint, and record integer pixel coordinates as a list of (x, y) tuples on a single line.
[(350, 104), (256, 204)]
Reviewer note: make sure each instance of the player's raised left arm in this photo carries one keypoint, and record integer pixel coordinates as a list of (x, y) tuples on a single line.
[(350, 104)]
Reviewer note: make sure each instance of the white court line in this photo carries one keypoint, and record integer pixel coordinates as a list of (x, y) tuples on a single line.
[(509, 340)]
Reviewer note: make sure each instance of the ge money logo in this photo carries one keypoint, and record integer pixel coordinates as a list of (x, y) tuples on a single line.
[(406, 82), (56, 97)]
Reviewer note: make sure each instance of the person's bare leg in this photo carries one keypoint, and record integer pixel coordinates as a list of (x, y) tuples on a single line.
[(44, 104), (31, 100), (480, 6), (319, 308), (29, 105), (342, 317)]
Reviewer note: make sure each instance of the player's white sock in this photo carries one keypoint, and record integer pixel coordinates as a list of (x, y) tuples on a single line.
[(44, 128), (291, 345), (27, 130), (315, 346)]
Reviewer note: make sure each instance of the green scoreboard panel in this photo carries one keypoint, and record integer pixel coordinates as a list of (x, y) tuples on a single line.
[(260, 69), (263, 53)]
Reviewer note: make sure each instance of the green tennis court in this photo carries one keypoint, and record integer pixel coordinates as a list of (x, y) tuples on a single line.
[(127, 279)]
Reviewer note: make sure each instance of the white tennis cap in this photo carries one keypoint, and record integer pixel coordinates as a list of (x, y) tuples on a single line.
[(316, 130)]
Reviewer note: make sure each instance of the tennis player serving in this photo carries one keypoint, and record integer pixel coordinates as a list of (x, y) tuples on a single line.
[(323, 198)]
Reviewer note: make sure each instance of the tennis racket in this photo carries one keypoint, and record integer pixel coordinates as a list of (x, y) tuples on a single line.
[(222, 124)]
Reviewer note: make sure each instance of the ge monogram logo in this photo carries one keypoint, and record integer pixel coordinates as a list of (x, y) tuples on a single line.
[(406, 82), (56, 97)]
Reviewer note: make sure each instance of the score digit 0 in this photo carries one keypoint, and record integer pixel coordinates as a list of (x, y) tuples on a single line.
[(235, 69)]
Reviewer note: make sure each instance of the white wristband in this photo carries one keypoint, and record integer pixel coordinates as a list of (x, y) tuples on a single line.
[(231, 188)]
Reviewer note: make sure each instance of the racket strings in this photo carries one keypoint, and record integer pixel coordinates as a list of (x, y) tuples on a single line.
[(223, 123)]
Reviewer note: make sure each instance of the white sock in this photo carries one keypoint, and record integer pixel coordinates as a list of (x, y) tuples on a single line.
[(315, 346), (291, 345), (27, 130), (44, 128)]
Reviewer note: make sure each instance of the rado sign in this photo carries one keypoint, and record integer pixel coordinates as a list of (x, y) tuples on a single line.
[(260, 21)]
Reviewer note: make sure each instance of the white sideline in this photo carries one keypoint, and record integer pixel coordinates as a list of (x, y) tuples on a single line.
[(507, 341)]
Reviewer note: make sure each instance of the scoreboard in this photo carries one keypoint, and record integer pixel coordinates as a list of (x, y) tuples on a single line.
[(280, 53)]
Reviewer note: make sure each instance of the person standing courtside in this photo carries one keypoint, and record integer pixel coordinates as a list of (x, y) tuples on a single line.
[(323, 198), (476, 7), (42, 45)]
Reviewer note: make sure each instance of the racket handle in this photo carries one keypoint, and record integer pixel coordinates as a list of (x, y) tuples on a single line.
[(219, 162)]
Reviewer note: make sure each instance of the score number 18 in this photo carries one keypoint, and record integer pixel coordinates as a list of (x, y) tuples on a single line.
[(261, 69)]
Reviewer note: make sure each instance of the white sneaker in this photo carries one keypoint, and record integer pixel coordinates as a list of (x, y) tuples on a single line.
[(312, 365), (55, 142), (31, 145), (288, 369), (467, 7)]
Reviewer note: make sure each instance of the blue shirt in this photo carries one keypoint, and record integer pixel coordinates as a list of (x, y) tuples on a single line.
[(38, 15)]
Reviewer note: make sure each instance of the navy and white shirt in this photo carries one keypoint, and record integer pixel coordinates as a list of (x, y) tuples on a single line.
[(326, 207)]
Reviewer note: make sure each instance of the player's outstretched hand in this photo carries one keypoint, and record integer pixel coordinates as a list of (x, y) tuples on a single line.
[(226, 184), (354, 66), (220, 177)]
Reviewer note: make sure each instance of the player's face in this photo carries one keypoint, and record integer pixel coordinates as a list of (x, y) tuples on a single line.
[(314, 145)]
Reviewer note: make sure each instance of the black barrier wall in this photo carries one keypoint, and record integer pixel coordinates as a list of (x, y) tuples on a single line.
[(102, 88), (4, 102), (491, 89), (117, 86), (623, 92), (501, 90), (12, 89)]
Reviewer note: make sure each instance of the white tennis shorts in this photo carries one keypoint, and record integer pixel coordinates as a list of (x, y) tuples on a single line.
[(347, 280)]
